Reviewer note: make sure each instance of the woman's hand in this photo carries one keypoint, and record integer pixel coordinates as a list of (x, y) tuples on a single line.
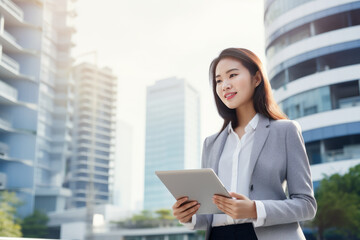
[(239, 208), (184, 211)]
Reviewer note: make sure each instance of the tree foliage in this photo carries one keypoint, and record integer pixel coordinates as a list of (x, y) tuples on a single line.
[(9, 223), (35, 225), (338, 199), (165, 214), (149, 219)]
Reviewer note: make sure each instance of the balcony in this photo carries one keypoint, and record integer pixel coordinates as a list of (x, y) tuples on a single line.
[(4, 150), (12, 9), (346, 153), (10, 42), (5, 124), (349, 102), (10, 63), (8, 92)]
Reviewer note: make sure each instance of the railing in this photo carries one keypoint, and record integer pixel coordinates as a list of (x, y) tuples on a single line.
[(7, 90), (10, 62), (10, 37), (13, 7), (346, 153), (5, 123), (349, 102), (15, 238), (4, 149)]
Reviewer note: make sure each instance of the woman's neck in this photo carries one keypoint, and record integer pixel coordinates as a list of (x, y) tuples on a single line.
[(244, 115)]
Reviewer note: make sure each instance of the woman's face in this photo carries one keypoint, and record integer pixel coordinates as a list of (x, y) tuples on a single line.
[(234, 84)]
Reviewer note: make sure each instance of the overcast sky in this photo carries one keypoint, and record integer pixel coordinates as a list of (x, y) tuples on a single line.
[(145, 41)]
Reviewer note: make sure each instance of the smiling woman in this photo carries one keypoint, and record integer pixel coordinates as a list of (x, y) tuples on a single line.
[(246, 66), (257, 152)]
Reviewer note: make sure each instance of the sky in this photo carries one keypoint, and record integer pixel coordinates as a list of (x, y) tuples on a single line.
[(144, 41)]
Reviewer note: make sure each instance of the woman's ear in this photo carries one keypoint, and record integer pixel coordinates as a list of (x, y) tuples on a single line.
[(257, 78)]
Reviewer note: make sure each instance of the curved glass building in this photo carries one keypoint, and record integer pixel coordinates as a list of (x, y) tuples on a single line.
[(313, 60)]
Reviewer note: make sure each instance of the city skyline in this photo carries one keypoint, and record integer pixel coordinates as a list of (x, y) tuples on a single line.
[(35, 109), (172, 136), (144, 42)]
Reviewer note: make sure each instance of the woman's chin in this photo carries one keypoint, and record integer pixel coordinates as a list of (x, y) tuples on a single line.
[(231, 106)]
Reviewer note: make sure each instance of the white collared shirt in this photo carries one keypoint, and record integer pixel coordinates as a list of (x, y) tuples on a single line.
[(235, 159)]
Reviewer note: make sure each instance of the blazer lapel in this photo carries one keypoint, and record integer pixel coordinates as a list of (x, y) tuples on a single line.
[(261, 133), (217, 149)]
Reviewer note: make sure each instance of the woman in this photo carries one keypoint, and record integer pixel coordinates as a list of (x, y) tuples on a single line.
[(258, 154)]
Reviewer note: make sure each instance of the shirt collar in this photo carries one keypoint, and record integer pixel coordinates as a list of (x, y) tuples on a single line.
[(251, 125)]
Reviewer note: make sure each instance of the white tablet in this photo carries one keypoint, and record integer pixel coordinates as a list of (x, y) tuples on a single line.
[(197, 184)]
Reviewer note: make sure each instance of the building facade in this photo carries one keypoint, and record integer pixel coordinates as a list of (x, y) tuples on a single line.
[(90, 170), (35, 100), (172, 136), (313, 55)]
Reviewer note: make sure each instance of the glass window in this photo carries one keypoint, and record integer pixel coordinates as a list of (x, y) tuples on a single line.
[(306, 103), (102, 169), (331, 23), (278, 7)]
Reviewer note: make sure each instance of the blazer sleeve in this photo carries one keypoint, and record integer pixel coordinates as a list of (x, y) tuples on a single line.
[(301, 204), (202, 220)]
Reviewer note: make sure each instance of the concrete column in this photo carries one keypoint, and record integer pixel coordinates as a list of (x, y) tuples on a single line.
[(349, 22), (322, 151), (312, 29), (1, 24)]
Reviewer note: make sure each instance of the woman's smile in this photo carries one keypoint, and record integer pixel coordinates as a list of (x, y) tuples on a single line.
[(229, 96)]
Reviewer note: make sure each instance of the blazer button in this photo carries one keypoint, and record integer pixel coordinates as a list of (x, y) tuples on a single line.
[(252, 187)]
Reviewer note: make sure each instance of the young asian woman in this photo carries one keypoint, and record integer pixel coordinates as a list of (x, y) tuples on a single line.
[(259, 155)]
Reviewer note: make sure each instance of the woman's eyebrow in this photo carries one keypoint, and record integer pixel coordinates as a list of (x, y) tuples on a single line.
[(228, 71)]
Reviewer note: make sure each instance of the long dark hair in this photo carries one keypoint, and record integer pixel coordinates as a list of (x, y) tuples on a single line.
[(263, 99)]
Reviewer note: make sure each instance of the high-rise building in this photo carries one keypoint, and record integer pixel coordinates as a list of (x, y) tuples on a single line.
[(172, 136), (90, 171), (313, 56), (124, 187), (35, 100)]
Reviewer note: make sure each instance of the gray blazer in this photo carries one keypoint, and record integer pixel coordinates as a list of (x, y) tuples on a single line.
[(278, 159)]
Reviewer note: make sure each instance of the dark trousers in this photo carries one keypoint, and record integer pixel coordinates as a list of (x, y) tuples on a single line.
[(244, 231)]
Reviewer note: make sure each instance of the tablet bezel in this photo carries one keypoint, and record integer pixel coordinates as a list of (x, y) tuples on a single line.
[(197, 184)]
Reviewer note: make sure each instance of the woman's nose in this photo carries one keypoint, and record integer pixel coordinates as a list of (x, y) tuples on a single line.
[(226, 85)]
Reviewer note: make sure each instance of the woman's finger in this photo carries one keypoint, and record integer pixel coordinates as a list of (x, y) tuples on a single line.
[(185, 216), (186, 206), (224, 200), (179, 202), (224, 207)]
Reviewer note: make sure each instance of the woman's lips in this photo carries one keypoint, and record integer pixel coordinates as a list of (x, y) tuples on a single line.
[(230, 96)]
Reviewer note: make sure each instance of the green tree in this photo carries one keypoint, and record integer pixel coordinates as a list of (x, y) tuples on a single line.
[(9, 223), (338, 199), (35, 225), (165, 214), (144, 215)]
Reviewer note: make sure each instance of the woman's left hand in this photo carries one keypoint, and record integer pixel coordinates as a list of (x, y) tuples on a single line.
[(238, 208)]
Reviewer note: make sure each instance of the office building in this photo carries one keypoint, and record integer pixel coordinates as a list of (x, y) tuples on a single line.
[(90, 170), (35, 100), (313, 55), (172, 136)]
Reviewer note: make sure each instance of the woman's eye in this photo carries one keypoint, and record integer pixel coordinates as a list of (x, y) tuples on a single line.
[(218, 81), (233, 75)]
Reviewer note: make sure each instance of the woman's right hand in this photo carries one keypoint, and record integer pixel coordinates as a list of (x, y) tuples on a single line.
[(184, 212)]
